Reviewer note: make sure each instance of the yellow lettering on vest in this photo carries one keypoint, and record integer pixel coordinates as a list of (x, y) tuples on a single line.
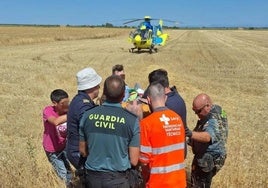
[(96, 116), (107, 118), (93, 116), (106, 125), (113, 118), (111, 126), (106, 121), (102, 117), (122, 120), (90, 116)]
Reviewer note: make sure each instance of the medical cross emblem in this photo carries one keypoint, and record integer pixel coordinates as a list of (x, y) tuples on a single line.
[(164, 119)]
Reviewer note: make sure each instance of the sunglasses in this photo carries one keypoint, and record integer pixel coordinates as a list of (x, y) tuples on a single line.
[(200, 109)]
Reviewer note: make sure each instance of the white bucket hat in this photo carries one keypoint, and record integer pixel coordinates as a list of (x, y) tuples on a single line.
[(87, 78)]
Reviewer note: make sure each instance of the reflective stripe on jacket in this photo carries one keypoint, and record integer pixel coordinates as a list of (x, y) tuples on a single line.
[(162, 146)]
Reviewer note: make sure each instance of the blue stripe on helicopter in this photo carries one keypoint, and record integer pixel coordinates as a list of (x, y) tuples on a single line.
[(157, 40)]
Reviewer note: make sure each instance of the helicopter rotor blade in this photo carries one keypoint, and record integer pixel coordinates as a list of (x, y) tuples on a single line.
[(135, 20), (166, 20), (140, 19)]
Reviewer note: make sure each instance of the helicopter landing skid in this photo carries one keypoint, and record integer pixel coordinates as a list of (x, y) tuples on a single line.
[(151, 50), (131, 50)]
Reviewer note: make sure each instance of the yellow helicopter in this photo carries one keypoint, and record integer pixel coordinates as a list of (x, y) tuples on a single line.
[(147, 36)]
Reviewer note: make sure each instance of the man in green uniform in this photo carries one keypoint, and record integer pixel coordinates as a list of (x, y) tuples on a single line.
[(110, 139), (208, 140)]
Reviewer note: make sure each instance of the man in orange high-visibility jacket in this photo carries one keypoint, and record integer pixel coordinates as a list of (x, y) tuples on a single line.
[(162, 143)]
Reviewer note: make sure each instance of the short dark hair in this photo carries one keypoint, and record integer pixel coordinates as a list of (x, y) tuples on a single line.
[(160, 76), (117, 68), (57, 95), (156, 90), (114, 89)]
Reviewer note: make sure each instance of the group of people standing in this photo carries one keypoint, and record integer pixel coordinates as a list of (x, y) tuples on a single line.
[(104, 142)]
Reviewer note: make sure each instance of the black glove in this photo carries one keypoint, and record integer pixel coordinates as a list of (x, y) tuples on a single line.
[(188, 132)]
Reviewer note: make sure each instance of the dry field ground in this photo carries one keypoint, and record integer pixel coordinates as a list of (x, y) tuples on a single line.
[(230, 65)]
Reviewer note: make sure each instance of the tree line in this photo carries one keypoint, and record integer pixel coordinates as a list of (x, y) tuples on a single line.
[(109, 25)]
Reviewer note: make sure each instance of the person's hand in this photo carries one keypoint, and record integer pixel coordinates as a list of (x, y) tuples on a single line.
[(136, 108), (188, 132)]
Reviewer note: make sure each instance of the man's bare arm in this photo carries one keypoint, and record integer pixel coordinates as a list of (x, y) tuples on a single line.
[(134, 153)]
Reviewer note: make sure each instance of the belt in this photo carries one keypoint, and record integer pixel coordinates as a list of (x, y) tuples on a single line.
[(107, 173)]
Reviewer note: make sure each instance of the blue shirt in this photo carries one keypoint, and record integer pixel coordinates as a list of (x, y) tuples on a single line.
[(147, 25), (109, 131), (176, 103)]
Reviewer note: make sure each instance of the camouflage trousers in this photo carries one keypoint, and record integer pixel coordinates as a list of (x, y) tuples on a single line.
[(203, 170)]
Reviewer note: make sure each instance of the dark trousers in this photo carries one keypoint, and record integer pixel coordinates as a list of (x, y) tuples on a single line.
[(201, 178), (75, 159), (96, 179)]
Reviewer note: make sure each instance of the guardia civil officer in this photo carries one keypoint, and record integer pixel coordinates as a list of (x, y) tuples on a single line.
[(208, 141), (88, 85), (110, 139)]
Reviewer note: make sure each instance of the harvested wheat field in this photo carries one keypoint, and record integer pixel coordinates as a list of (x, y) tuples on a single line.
[(230, 65)]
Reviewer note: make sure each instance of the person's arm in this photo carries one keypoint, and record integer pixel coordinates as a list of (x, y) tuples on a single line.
[(208, 133), (57, 120), (200, 136), (83, 148), (134, 153), (134, 145), (82, 138)]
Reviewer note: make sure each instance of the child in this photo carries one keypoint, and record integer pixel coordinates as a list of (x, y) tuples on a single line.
[(54, 137)]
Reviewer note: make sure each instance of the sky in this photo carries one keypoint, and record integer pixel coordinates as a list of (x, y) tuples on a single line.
[(187, 13)]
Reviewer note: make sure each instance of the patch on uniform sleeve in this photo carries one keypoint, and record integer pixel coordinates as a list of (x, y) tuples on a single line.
[(223, 114), (86, 101)]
